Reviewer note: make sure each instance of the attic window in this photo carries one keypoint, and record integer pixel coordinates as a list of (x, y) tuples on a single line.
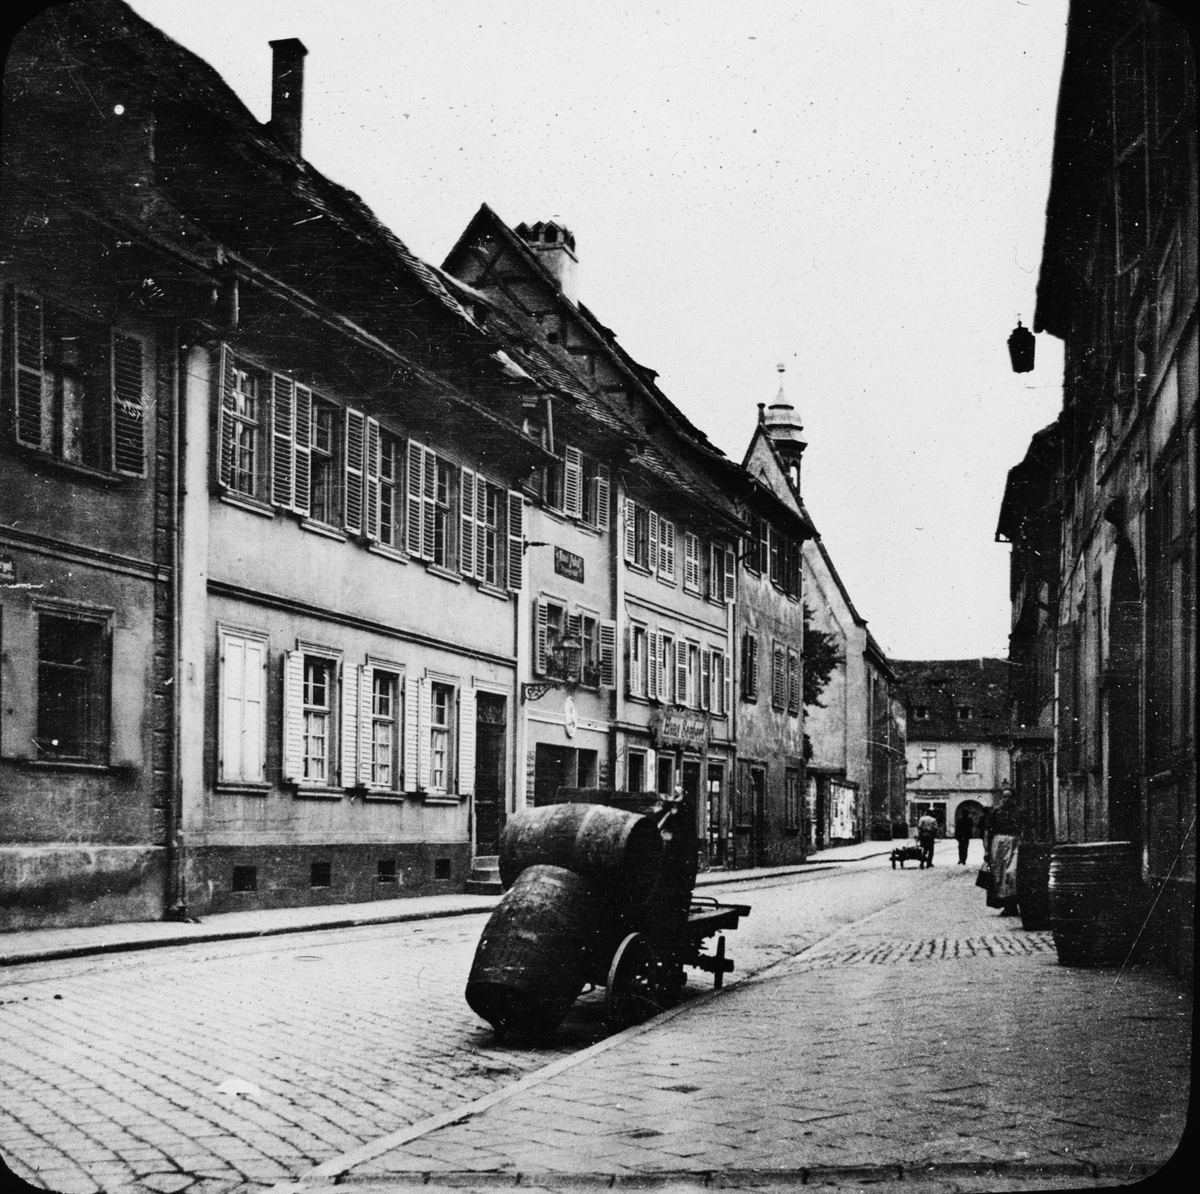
[(964, 712), (921, 712)]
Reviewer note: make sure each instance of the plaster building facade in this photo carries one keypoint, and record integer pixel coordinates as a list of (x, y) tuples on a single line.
[(957, 737), (1118, 285)]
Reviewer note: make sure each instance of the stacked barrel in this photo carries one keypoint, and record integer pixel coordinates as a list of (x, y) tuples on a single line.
[(575, 877)]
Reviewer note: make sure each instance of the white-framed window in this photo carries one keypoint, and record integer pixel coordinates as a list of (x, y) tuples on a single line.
[(662, 651), (483, 541), (691, 562), (638, 660), (432, 491), (74, 679), (385, 728), (441, 733), (242, 689), (76, 388), (311, 733), (241, 414), (391, 487), (968, 760), (326, 465), (717, 681), (318, 691), (928, 758), (693, 676)]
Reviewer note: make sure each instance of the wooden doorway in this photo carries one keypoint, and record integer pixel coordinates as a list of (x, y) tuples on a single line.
[(491, 717)]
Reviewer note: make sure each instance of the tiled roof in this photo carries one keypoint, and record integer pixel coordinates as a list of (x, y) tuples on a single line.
[(943, 687)]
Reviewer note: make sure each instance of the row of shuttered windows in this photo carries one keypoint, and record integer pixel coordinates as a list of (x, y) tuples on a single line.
[(672, 670), (785, 674), (649, 542), (369, 726)]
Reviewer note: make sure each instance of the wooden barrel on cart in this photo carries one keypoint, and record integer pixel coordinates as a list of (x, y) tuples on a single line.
[(618, 848), (1033, 884), (1095, 902), (536, 950)]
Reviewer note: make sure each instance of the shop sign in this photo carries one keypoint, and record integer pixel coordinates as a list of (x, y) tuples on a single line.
[(568, 564), (681, 727)]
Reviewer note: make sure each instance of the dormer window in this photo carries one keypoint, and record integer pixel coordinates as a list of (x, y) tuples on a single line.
[(964, 712), (920, 712)]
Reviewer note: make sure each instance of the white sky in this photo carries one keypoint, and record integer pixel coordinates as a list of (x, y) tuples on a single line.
[(853, 188)]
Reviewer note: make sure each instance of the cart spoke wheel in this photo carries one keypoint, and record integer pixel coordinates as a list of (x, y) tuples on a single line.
[(634, 991)]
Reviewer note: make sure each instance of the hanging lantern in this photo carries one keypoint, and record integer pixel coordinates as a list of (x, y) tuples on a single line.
[(1020, 349)]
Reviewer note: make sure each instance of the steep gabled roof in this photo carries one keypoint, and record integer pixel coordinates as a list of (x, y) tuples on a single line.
[(943, 686)]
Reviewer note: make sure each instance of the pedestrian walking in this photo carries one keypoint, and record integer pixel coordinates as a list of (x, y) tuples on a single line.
[(962, 834), (1002, 854), (926, 833)]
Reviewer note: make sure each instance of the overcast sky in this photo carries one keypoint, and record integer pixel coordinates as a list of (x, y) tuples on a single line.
[(852, 188)]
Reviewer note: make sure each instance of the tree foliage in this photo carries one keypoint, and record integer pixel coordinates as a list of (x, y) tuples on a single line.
[(820, 658)]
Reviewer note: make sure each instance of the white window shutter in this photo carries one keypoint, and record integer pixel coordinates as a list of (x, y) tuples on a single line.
[(374, 462), (466, 538), (28, 363), (715, 553), (601, 497), (730, 573), (608, 654), (424, 733), (706, 677), (304, 438), (540, 634), (666, 548), (727, 668), (630, 530), (351, 679), (293, 716), (233, 707), (429, 503), (574, 662), (654, 686), (691, 562), (515, 566), (354, 461), (652, 551), (130, 410), (416, 489), (573, 482), (224, 442), (412, 734), (466, 741), (283, 441), (481, 515), (366, 693), (681, 689)]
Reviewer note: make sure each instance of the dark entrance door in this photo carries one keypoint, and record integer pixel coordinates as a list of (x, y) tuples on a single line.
[(693, 797), (554, 768), (758, 824), (716, 814), (490, 718), (1123, 699)]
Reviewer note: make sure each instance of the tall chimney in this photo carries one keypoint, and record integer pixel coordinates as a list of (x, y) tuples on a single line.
[(555, 247), (287, 90)]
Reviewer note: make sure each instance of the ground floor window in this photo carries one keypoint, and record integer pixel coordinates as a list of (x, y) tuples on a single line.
[(635, 779), (243, 679), (665, 783), (73, 684), (793, 808)]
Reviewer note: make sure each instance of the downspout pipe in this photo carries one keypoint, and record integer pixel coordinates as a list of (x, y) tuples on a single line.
[(176, 861)]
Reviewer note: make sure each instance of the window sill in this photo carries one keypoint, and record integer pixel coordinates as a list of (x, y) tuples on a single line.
[(70, 765), (441, 798), (304, 793), (390, 553), (243, 789), (693, 592), (322, 528), (669, 581), (384, 796), (640, 569), (493, 591), (85, 472), (444, 573), (249, 504)]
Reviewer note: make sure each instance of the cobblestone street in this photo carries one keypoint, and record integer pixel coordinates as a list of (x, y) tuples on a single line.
[(895, 1021)]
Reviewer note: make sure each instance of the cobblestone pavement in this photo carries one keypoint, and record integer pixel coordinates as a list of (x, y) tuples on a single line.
[(932, 1040), (211, 1065)]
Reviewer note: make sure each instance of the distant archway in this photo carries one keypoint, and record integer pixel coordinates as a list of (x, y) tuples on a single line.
[(972, 810), (1122, 680)]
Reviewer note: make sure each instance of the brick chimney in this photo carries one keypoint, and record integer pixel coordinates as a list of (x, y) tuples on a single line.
[(555, 247), (287, 91)]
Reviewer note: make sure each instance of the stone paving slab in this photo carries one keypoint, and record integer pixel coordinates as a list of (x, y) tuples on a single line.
[(934, 1034)]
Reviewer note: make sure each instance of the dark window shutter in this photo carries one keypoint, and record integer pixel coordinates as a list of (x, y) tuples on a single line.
[(130, 409)]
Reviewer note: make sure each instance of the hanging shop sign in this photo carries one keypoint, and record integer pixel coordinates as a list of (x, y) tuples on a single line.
[(681, 727), (568, 564)]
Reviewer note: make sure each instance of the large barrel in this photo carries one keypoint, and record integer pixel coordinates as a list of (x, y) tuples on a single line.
[(621, 849), (1033, 884), (536, 950), (1096, 900)]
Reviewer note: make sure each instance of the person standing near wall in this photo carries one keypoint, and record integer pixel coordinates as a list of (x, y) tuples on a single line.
[(926, 833), (963, 828)]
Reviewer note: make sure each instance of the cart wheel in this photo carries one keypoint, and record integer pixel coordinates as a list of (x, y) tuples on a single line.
[(634, 989)]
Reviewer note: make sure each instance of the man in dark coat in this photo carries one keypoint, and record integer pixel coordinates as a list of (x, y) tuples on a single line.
[(962, 834)]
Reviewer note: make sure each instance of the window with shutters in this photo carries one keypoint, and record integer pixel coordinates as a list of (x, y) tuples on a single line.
[(75, 389), (638, 660), (692, 673), (793, 681), (663, 679), (385, 728), (432, 486), (391, 487), (325, 467), (641, 536), (778, 677), (441, 734), (691, 562), (717, 675), (242, 411), (242, 691), (319, 682), (777, 554), (597, 494), (666, 551), (749, 666), (590, 632), (721, 572), (74, 665), (483, 537)]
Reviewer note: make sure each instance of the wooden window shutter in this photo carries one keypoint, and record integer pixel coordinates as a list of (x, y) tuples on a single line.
[(793, 678), (654, 685), (304, 439), (130, 410), (706, 679), (429, 504), (233, 708), (481, 516), (778, 677), (516, 541), (412, 734), (574, 661), (415, 527), (608, 654), (293, 716), (466, 741), (730, 573), (223, 447), (28, 364), (681, 673), (466, 538), (652, 552), (351, 698), (424, 734), (630, 530), (355, 461), (715, 559), (540, 633), (366, 711), (374, 462), (602, 490), (283, 441), (573, 482), (691, 561), (666, 548)]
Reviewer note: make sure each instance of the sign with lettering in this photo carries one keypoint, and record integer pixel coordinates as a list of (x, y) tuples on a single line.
[(568, 564), (681, 727)]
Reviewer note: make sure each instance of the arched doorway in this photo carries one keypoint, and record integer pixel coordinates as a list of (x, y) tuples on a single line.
[(1122, 678), (972, 810)]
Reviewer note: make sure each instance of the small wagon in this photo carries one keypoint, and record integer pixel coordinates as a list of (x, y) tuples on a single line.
[(903, 854), (599, 895)]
